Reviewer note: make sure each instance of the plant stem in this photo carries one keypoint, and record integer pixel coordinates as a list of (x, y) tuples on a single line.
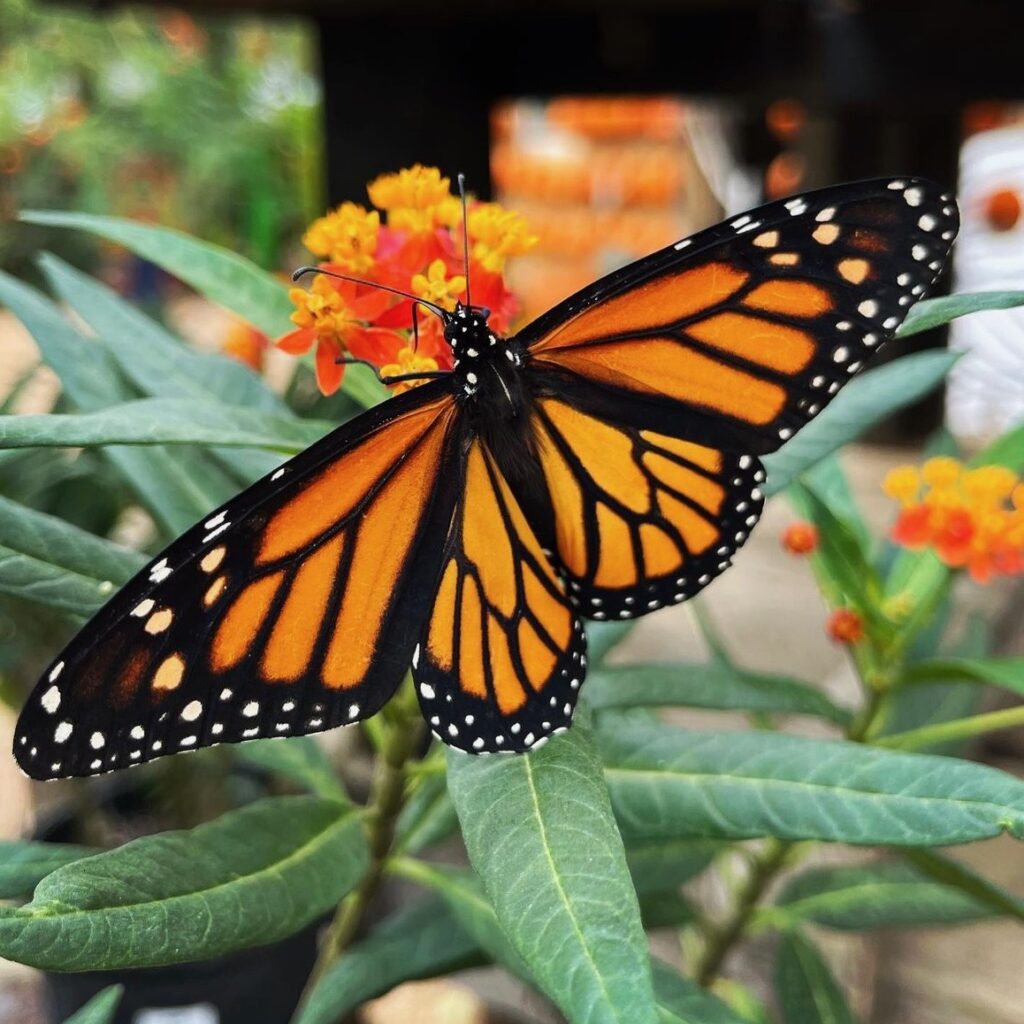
[(724, 936), (387, 798), (958, 729)]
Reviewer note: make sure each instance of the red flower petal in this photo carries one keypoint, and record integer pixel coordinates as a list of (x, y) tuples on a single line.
[(297, 342), (329, 371)]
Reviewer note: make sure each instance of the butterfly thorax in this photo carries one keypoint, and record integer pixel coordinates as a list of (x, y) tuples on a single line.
[(489, 384)]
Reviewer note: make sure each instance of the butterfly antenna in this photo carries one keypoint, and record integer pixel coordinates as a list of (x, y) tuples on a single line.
[(432, 306), (461, 178), (415, 329)]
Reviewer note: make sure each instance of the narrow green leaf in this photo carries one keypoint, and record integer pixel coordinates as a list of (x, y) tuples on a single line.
[(299, 758), (711, 685), (865, 401), (221, 275), (683, 1001), (251, 877), (427, 818), (953, 873), (540, 833), (100, 1009), (24, 864), (660, 864), (1005, 672), (1007, 450), (929, 313), (49, 561), (177, 489), (842, 556), (151, 357), (422, 941), (667, 782), (161, 365), (888, 894), (806, 989), (153, 421)]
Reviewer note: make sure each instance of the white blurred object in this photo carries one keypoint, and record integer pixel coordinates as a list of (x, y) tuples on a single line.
[(985, 394)]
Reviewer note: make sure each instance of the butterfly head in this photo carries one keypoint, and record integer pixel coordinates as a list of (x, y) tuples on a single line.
[(467, 331)]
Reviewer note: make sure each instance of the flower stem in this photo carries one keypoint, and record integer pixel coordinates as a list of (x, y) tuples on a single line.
[(958, 729), (387, 798), (724, 936)]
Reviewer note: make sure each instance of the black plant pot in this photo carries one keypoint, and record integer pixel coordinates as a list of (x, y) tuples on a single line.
[(254, 986)]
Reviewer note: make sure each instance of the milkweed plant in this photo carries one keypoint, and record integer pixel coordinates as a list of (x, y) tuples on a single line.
[(614, 828)]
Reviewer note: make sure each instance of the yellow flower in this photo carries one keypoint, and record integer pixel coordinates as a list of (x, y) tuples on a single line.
[(408, 362), (988, 485), (941, 472), (417, 199), (436, 288), (346, 236), (496, 234), (902, 484), (322, 308)]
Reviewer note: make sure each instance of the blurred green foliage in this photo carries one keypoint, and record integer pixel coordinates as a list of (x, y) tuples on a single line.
[(210, 126)]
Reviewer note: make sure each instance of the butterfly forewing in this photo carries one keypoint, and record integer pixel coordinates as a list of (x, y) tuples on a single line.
[(293, 609), (500, 664), (743, 333)]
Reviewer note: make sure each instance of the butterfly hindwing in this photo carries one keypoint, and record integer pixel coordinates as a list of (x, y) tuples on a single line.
[(292, 609), (501, 661), (744, 332), (640, 519)]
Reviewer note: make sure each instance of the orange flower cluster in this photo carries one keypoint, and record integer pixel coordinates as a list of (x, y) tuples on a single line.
[(971, 518), (411, 241)]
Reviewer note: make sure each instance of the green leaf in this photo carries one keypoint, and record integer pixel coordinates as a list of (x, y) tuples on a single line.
[(427, 818), (299, 758), (177, 489), (152, 358), (678, 1000), (1005, 672), (881, 895), (865, 401), (1007, 450), (252, 877), (221, 275), (159, 364), (683, 1001), (842, 556), (540, 833), (711, 685), (668, 782), (44, 559), (24, 864), (953, 873), (806, 989), (100, 1009), (153, 421), (929, 313), (422, 941), (660, 864)]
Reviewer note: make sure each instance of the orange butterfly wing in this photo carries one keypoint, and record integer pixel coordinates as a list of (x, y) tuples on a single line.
[(294, 608), (746, 331), (503, 656)]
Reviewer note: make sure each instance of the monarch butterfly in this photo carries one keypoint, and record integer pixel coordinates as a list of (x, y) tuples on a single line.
[(602, 463)]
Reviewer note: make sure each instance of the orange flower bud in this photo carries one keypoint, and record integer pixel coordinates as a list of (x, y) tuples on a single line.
[(800, 538), (845, 626)]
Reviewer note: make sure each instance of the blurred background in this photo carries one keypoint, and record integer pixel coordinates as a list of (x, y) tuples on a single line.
[(615, 128)]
